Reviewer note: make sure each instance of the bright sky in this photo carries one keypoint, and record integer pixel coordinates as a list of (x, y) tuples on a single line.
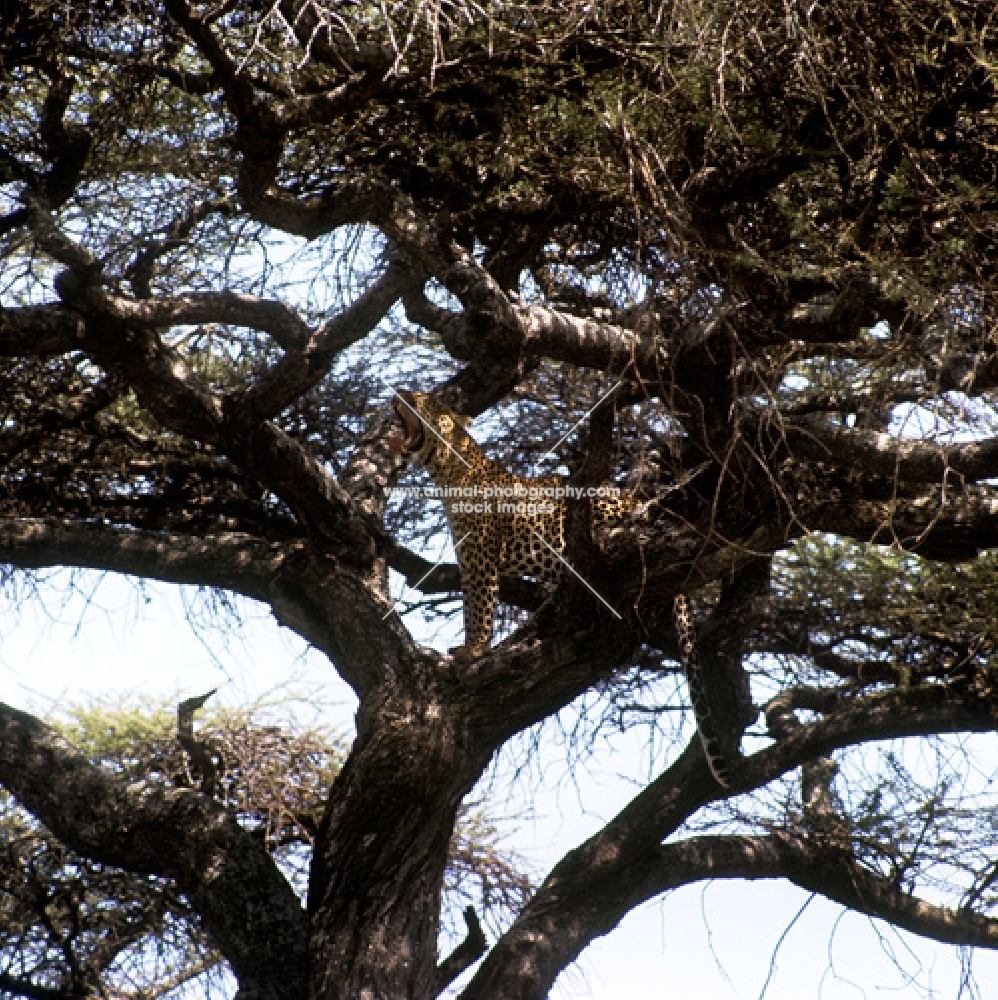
[(708, 942)]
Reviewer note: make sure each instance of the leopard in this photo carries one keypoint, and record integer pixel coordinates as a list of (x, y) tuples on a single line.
[(504, 523)]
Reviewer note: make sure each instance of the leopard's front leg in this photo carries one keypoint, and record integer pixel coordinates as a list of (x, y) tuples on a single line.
[(480, 582)]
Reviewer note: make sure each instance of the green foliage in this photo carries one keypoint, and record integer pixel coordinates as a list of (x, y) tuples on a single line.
[(868, 607)]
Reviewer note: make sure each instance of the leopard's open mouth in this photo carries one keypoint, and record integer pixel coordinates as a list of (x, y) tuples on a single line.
[(413, 426)]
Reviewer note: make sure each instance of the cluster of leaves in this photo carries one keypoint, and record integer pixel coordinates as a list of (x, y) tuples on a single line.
[(872, 615)]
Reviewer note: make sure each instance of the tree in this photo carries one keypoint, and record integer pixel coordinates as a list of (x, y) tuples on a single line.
[(767, 233), (77, 927)]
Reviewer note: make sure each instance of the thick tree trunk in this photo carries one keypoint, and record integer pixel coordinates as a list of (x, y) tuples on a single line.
[(374, 897)]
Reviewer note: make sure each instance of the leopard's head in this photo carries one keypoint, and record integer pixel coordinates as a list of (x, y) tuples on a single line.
[(433, 432)]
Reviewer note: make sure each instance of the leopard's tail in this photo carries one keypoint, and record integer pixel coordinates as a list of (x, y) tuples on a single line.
[(696, 682)]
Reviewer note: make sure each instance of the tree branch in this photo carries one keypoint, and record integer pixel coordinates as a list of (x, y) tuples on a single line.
[(814, 865), (302, 368), (493, 316), (183, 402), (467, 952), (314, 30), (941, 524), (260, 137), (276, 318), (926, 710), (161, 378), (889, 456), (240, 563), (588, 343), (591, 888), (348, 98), (275, 574), (246, 903), (237, 88), (449, 324), (594, 886)]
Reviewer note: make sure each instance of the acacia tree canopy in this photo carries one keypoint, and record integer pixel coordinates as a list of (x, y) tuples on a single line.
[(769, 229)]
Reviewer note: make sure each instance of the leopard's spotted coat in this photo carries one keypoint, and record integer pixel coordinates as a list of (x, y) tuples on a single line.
[(525, 544)]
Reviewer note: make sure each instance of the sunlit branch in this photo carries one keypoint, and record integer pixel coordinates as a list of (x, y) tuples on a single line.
[(587, 342), (235, 308), (491, 316), (503, 321), (449, 324)]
